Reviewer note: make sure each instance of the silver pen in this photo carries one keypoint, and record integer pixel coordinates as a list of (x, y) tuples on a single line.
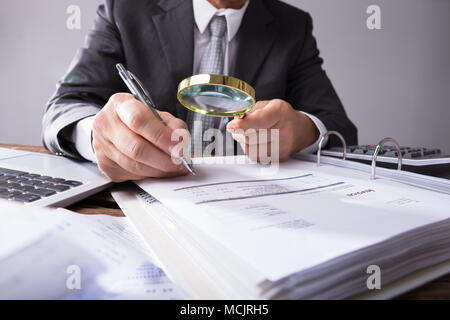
[(137, 89)]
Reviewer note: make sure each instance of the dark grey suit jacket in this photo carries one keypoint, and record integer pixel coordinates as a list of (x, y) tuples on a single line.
[(277, 54)]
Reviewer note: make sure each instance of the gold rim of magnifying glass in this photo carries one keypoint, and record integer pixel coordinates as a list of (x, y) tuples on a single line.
[(221, 80)]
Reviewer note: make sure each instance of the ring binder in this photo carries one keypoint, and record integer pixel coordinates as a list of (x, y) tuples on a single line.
[(377, 150), (322, 139)]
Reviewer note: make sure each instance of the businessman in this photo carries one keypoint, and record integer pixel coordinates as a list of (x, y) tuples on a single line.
[(266, 43)]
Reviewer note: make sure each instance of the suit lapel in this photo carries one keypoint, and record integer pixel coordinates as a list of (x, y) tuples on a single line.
[(175, 28), (255, 39)]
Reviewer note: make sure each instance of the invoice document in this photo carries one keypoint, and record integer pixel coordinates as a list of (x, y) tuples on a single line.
[(298, 217), (40, 247)]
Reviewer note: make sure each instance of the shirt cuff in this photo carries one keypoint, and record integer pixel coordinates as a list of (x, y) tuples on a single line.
[(82, 137), (322, 130)]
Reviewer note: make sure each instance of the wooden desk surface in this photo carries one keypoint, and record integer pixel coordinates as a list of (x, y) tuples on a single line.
[(103, 203)]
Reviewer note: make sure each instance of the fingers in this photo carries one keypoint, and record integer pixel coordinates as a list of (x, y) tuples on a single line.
[(139, 119), (182, 138), (173, 122), (132, 145), (141, 150), (266, 152), (252, 136), (265, 115), (260, 153), (135, 167), (259, 105), (112, 170)]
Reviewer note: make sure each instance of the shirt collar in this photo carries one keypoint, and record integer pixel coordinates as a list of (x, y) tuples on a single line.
[(205, 11)]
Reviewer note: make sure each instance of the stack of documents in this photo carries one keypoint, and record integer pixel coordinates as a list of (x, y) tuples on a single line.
[(245, 231), (57, 254)]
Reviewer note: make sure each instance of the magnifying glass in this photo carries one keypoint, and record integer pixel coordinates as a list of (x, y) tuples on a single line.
[(216, 95)]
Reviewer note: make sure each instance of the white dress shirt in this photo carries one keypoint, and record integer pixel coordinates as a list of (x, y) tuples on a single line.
[(204, 11)]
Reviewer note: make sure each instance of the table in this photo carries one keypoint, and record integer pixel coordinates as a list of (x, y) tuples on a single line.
[(103, 203)]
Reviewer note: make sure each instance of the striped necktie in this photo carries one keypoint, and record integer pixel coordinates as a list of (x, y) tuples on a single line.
[(212, 62)]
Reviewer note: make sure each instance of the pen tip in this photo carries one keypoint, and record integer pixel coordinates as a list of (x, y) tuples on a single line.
[(188, 166), (191, 170)]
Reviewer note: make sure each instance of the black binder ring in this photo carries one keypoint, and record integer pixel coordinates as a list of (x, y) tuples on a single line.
[(377, 150), (322, 139)]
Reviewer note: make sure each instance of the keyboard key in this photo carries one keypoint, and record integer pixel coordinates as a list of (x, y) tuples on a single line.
[(431, 151), (72, 183), (44, 185), (35, 183), (359, 151), (59, 187), (26, 198), (12, 185), (9, 194), (7, 177), (17, 180), (31, 176), (43, 178), (371, 152), (25, 188), (413, 155), (52, 180), (43, 192)]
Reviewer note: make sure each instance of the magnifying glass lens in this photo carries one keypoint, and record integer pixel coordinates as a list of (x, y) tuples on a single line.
[(216, 95), (216, 99)]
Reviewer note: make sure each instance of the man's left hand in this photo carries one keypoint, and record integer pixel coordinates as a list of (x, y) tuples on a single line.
[(296, 130)]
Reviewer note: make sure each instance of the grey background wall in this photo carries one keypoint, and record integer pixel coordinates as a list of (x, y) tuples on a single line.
[(393, 82)]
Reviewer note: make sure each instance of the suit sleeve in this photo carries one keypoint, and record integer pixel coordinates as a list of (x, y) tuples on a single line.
[(310, 90), (87, 85)]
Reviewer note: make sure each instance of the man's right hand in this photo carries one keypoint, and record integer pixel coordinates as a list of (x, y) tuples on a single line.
[(130, 143)]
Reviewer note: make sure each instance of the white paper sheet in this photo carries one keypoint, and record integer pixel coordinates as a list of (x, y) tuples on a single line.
[(300, 216), (113, 260)]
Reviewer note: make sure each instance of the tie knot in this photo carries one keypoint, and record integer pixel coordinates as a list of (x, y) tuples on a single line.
[(218, 26)]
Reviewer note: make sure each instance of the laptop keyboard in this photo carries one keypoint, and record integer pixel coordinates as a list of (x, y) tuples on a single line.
[(29, 187)]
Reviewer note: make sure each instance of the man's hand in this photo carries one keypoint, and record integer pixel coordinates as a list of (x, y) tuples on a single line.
[(296, 130), (131, 144)]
